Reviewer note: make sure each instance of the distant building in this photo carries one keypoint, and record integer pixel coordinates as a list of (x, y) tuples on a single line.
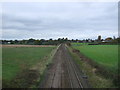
[(99, 38), (114, 37), (109, 39)]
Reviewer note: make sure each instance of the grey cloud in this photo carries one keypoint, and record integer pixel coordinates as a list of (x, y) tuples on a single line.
[(54, 20)]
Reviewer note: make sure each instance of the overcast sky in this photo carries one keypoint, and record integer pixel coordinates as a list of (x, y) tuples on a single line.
[(77, 20)]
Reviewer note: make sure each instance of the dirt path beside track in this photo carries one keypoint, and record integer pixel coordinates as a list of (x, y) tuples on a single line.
[(64, 73)]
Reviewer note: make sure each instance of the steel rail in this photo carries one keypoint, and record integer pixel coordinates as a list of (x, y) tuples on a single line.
[(73, 66)]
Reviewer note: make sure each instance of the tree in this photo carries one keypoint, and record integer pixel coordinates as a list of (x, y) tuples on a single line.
[(31, 41), (66, 39), (42, 41), (37, 42), (11, 42), (16, 42)]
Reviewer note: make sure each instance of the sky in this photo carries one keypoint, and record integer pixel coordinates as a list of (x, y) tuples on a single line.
[(72, 20)]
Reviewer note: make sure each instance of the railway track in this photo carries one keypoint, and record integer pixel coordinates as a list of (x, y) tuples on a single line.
[(64, 73), (68, 61), (71, 84)]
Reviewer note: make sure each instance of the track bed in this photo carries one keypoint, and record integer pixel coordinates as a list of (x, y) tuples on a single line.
[(64, 72)]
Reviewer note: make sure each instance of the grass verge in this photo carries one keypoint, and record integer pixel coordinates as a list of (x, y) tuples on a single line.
[(96, 80)]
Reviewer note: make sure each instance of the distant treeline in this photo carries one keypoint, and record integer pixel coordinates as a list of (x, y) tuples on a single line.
[(60, 40), (36, 42)]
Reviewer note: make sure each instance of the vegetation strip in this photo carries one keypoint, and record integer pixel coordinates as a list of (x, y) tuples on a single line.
[(104, 58), (95, 79)]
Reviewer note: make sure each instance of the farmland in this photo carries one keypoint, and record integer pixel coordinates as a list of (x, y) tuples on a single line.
[(16, 59), (105, 55), (26, 65), (99, 62)]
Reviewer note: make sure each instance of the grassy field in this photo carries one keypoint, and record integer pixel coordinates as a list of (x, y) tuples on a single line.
[(79, 44), (95, 80), (105, 55), (16, 59)]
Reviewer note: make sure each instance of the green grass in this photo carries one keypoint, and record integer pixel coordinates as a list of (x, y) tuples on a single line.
[(95, 80), (79, 44), (105, 55), (17, 59)]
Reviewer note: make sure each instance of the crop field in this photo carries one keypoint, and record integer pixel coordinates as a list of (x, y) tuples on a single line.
[(16, 59), (105, 55)]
